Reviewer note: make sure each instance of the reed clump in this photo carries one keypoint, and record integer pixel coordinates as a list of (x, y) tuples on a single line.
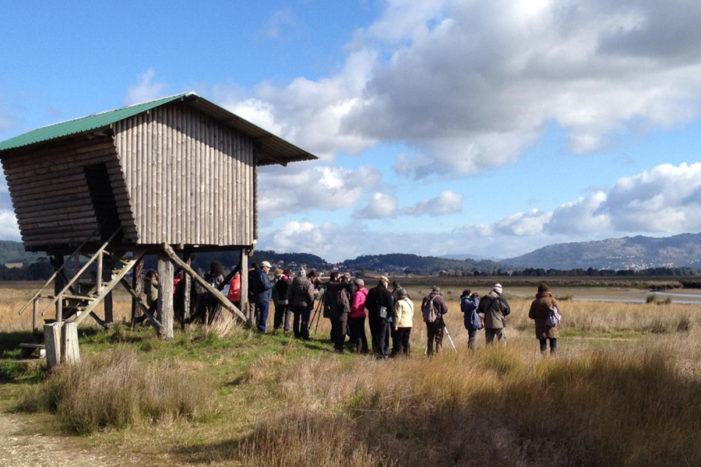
[(115, 390)]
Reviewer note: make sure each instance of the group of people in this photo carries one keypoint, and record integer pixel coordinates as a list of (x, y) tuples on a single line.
[(348, 304)]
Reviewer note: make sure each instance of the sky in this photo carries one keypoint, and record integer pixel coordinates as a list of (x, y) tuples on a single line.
[(442, 127)]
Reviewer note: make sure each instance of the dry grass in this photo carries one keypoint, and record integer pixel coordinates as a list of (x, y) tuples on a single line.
[(493, 407), (116, 390)]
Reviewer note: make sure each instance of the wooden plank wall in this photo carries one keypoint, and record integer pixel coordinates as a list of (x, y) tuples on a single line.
[(190, 178), (50, 194)]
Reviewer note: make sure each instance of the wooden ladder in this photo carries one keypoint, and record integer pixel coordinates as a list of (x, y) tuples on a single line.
[(101, 291)]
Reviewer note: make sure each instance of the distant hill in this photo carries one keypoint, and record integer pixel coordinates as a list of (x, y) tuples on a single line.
[(637, 252), (408, 263), (13, 252)]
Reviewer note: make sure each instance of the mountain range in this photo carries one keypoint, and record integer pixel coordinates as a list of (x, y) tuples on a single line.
[(633, 253)]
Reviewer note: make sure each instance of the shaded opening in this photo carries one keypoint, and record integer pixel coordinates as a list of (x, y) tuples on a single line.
[(102, 198)]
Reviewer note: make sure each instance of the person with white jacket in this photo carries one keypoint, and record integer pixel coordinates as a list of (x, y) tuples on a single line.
[(403, 322)]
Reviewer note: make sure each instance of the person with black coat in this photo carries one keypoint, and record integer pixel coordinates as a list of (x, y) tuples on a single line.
[(380, 305)]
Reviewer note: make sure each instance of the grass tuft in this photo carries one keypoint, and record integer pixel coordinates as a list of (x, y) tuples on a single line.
[(116, 390)]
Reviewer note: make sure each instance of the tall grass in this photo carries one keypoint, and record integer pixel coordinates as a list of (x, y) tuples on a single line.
[(116, 390), (491, 407)]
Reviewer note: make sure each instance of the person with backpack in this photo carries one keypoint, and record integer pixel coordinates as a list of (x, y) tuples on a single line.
[(262, 293), (356, 318), (433, 308), (300, 295), (402, 321), (281, 319), (379, 304), (494, 309), (544, 311), (469, 302)]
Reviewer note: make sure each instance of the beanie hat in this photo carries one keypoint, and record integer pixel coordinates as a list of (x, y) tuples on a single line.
[(497, 288)]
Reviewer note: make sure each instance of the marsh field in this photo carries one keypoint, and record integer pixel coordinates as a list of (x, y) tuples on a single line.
[(624, 389)]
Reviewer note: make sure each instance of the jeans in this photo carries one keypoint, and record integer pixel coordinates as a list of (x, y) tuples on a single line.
[(435, 332), (379, 329), (500, 334), (300, 325), (282, 317), (402, 341), (339, 328), (471, 339), (262, 315), (358, 339), (544, 345)]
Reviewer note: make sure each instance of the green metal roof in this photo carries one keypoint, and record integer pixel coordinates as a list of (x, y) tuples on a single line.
[(80, 125)]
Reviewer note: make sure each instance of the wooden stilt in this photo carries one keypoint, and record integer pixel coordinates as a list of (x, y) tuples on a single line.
[(187, 284), (244, 285), (142, 304), (59, 285), (70, 350), (52, 343), (107, 277), (165, 295), (137, 285)]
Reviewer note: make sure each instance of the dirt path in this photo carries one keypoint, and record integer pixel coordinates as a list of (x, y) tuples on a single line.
[(19, 446)]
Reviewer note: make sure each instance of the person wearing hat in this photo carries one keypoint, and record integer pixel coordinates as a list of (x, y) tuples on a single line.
[(356, 317), (380, 304), (493, 309), (337, 301), (402, 323), (262, 293), (435, 329)]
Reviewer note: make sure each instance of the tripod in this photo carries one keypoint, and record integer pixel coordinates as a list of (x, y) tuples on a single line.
[(318, 311)]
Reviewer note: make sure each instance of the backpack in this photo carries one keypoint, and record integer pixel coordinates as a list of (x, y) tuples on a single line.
[(472, 318), (553, 319), (428, 309)]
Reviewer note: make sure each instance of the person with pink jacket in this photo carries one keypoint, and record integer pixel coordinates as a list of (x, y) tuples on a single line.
[(356, 318)]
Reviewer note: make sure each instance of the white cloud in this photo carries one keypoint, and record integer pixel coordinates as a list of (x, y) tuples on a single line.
[(9, 230), (470, 84), (523, 223), (666, 198), (448, 202), (581, 216), (380, 206), (145, 89), (299, 188)]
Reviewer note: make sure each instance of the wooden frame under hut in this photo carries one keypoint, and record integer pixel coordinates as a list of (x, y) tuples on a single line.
[(167, 177)]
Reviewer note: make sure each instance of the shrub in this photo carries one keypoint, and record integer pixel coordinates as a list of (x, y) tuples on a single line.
[(117, 390)]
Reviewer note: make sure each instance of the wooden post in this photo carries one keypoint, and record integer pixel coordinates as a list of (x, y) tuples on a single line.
[(244, 285), (59, 308), (59, 284), (187, 284), (107, 277), (52, 343), (98, 275), (165, 295), (137, 284), (70, 350), (34, 315)]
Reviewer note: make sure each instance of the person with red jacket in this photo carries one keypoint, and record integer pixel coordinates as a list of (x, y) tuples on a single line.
[(356, 318)]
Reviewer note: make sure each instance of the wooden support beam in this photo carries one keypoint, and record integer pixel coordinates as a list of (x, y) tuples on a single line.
[(141, 304), (52, 343), (107, 277), (212, 290), (187, 288), (59, 284), (165, 295), (244, 286), (137, 284), (70, 350)]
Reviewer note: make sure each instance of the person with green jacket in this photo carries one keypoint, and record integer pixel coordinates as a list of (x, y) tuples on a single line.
[(493, 309)]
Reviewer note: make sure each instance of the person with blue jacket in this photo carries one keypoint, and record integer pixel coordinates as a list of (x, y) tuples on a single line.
[(469, 302), (262, 289)]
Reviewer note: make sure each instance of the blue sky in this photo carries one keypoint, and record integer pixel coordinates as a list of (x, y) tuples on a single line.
[(443, 127)]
